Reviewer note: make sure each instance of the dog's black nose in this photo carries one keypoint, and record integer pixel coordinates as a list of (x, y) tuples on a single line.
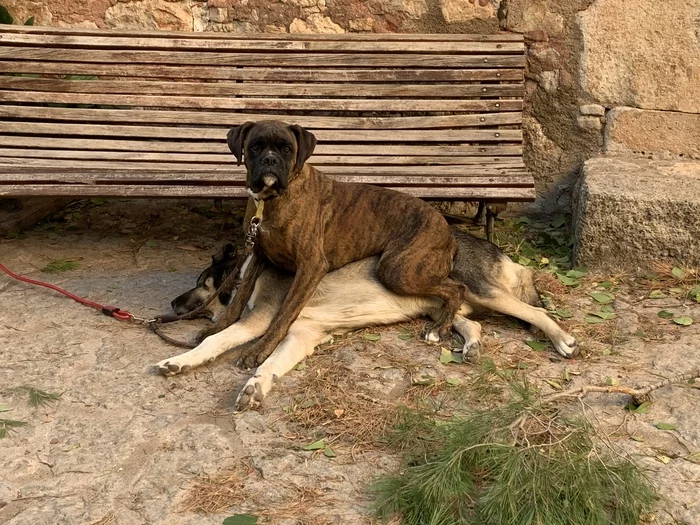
[(271, 161)]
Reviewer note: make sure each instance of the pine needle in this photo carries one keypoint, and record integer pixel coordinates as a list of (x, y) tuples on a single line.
[(7, 426), (36, 397), (517, 464)]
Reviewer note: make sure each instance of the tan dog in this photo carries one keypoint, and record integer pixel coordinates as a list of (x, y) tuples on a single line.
[(313, 224)]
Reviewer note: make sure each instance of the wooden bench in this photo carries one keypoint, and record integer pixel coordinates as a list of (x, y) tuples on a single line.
[(87, 113)]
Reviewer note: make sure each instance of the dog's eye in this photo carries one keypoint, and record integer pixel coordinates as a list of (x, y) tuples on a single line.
[(286, 150), (255, 149)]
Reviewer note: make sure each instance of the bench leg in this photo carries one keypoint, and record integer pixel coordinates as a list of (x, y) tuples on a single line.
[(492, 211), (480, 214)]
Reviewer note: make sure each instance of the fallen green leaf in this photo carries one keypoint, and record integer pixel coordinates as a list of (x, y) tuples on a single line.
[(453, 381), (575, 274), (603, 315), (328, 452), (553, 384), (97, 202), (152, 244), (405, 336), (606, 284), (639, 409), (695, 294), (563, 313), (4, 408), (301, 367), (603, 297), (657, 294), (683, 321), (537, 346), (665, 314), (593, 320), (568, 281), (665, 426), (676, 290), (372, 337), (664, 459), (694, 458), (678, 273), (29, 21), (5, 16), (316, 445), (447, 356), (566, 375), (612, 381), (241, 519)]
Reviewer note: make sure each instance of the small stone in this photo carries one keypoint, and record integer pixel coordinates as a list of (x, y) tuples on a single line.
[(218, 15), (537, 35), (271, 28), (592, 109), (54, 441), (590, 123), (549, 81), (364, 24), (315, 23)]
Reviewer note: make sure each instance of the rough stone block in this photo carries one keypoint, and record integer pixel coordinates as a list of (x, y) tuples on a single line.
[(589, 122), (644, 54), (630, 212), (463, 11), (592, 109), (656, 132)]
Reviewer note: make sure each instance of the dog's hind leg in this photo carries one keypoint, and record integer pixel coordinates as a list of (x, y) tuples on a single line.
[(506, 303), (471, 332), (300, 342)]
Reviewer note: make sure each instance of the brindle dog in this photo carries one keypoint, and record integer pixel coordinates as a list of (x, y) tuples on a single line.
[(313, 224)]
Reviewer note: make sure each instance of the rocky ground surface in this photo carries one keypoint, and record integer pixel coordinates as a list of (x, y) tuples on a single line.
[(123, 445)]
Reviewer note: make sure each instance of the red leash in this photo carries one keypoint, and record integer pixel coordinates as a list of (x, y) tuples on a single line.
[(111, 311)]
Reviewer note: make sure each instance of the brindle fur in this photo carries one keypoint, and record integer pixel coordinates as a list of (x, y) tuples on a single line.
[(313, 224)]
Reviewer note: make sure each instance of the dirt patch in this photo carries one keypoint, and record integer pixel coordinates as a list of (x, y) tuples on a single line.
[(125, 446)]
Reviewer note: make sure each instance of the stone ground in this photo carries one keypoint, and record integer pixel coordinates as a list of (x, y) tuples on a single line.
[(125, 446)]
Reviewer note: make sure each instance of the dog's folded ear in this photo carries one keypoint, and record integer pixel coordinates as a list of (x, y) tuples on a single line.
[(236, 139), (306, 143), (226, 253)]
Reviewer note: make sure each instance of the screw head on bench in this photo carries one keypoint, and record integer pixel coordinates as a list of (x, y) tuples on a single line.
[(498, 104), (482, 119), (498, 74), (483, 90), (486, 60), (496, 134)]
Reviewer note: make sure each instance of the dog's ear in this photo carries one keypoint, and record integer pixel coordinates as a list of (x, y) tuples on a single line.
[(227, 252), (236, 139), (306, 142)]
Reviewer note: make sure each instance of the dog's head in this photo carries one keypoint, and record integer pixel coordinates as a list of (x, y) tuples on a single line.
[(273, 153), (222, 264)]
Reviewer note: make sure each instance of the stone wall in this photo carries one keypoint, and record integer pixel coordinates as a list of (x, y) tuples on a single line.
[(603, 75)]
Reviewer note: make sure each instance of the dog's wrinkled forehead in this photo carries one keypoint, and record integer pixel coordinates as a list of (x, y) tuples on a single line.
[(271, 132)]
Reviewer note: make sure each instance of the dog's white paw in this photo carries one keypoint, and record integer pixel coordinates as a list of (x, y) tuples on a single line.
[(432, 337), (471, 350), (253, 392), (173, 366), (568, 348)]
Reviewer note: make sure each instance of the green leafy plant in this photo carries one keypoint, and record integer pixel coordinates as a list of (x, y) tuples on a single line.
[(7, 18), (60, 266), (520, 463)]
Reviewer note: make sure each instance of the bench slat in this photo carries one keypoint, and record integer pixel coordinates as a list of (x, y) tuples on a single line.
[(485, 193), (306, 60), (230, 168), (42, 141), (262, 74), (154, 42), (316, 159), (272, 104), (92, 130), (140, 116), (256, 89), (380, 37)]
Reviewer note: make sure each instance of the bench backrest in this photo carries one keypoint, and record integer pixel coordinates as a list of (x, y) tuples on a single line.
[(439, 115)]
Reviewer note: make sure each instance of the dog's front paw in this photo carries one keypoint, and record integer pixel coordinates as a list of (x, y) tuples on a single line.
[(253, 392), (471, 351), (172, 367), (568, 348)]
